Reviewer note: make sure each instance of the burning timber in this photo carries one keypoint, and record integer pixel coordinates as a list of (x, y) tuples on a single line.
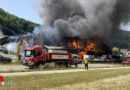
[(79, 46)]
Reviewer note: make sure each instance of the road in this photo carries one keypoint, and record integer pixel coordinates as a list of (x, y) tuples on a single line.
[(13, 57), (56, 71), (12, 67), (21, 67)]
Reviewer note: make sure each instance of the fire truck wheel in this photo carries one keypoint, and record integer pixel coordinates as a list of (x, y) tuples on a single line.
[(41, 66), (69, 65), (57, 65), (33, 67)]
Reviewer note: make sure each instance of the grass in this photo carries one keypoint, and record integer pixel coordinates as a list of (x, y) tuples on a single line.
[(20, 62), (48, 69), (67, 81), (31, 70), (114, 83)]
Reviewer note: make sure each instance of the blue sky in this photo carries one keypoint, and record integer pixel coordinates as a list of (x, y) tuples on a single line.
[(28, 9)]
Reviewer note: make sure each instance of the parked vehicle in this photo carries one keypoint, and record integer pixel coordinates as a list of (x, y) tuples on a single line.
[(40, 55), (5, 59), (100, 59), (96, 59), (1, 48), (127, 61), (112, 60), (76, 60), (127, 57)]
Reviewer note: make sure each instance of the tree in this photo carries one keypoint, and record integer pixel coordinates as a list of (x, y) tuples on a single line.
[(18, 25)]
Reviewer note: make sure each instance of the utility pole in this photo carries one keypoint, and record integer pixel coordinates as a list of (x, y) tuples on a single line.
[(1, 34)]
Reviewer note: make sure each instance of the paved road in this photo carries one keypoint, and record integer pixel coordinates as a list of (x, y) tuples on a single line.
[(21, 67), (56, 71), (13, 57)]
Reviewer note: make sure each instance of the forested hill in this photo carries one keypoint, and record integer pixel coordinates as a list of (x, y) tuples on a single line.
[(121, 39), (12, 24)]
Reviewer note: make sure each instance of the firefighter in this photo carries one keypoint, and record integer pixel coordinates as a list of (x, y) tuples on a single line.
[(86, 64)]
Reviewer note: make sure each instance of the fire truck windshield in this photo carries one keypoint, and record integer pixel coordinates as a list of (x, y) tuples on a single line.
[(29, 53)]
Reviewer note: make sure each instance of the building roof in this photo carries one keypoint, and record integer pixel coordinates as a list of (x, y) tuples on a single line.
[(53, 47)]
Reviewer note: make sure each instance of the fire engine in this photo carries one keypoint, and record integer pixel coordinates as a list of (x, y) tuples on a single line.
[(40, 55)]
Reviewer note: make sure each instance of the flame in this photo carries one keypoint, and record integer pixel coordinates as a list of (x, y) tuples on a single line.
[(74, 44), (90, 47), (81, 54)]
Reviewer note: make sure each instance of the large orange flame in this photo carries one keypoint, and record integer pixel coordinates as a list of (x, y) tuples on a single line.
[(90, 47), (76, 44), (81, 54)]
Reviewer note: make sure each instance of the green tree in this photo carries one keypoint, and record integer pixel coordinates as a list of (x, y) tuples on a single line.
[(18, 25)]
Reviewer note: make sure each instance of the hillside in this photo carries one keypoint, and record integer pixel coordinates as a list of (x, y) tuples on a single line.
[(11, 22), (121, 39)]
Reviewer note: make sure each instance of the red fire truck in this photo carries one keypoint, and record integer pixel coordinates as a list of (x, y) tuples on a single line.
[(40, 55)]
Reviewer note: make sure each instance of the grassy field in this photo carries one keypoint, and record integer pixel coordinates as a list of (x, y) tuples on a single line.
[(31, 70), (89, 80), (91, 66)]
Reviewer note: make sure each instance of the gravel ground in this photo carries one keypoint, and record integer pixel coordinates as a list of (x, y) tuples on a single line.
[(12, 67), (21, 67), (56, 71), (13, 57)]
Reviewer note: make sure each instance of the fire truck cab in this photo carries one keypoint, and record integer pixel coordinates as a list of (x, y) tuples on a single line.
[(37, 55)]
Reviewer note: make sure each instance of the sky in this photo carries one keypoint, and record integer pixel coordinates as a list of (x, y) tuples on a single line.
[(28, 9)]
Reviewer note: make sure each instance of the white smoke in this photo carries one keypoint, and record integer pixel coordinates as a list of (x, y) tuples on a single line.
[(11, 48), (37, 30)]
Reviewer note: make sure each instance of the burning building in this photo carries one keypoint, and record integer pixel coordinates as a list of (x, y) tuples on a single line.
[(79, 46), (82, 26)]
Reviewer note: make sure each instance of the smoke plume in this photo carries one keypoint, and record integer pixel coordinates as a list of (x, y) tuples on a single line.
[(86, 19), (11, 48)]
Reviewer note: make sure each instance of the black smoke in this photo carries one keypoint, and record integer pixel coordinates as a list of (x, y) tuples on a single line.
[(87, 19)]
